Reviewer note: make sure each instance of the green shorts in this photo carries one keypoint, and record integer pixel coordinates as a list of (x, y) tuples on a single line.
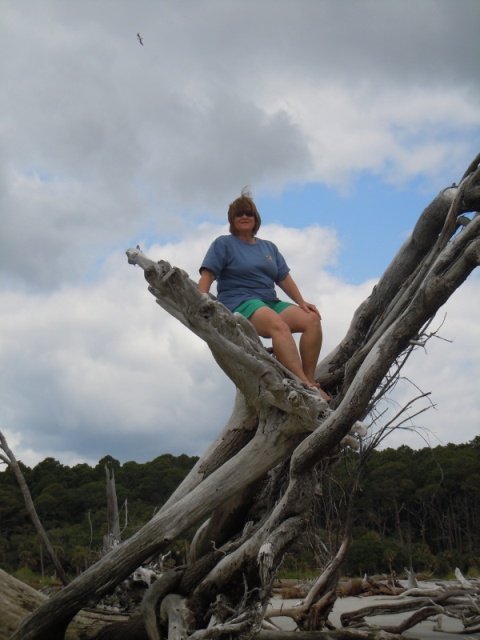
[(250, 306)]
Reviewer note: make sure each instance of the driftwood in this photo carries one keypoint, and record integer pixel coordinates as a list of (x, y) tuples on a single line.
[(250, 494), (460, 603), (18, 600), (338, 634)]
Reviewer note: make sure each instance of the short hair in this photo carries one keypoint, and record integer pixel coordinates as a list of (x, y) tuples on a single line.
[(244, 203)]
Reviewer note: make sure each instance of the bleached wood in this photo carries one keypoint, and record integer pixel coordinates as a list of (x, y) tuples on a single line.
[(18, 600), (412, 580), (174, 613), (466, 584)]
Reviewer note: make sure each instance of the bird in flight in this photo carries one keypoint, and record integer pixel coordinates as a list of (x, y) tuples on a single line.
[(140, 39)]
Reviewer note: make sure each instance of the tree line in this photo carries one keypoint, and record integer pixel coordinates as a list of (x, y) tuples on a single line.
[(418, 508), (71, 503), (413, 508)]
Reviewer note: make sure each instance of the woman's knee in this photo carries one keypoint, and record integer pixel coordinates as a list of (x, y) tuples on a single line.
[(313, 320), (312, 324), (310, 320), (279, 326), (269, 323)]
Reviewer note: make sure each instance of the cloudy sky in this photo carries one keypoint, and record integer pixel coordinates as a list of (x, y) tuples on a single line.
[(344, 118)]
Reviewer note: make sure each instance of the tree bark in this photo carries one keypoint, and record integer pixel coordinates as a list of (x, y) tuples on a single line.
[(18, 600), (112, 537)]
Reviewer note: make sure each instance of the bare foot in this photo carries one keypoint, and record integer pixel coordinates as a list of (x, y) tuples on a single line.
[(315, 386), (324, 395)]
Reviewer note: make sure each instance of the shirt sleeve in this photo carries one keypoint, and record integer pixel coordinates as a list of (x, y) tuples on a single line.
[(215, 258), (282, 267)]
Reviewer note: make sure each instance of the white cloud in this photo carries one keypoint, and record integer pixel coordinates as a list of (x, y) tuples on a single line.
[(108, 144), (103, 138), (397, 132), (448, 369), (102, 370)]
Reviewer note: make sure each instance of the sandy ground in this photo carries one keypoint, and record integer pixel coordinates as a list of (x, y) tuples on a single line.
[(424, 630)]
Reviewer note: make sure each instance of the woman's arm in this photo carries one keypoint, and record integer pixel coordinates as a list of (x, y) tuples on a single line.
[(289, 286), (206, 279)]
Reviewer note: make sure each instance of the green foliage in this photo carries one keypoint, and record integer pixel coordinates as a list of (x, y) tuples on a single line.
[(298, 566), (418, 508), (72, 506), (34, 580)]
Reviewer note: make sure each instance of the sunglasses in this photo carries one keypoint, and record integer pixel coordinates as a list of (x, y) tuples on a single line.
[(240, 214)]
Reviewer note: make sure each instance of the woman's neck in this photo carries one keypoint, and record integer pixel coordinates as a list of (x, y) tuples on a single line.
[(248, 238)]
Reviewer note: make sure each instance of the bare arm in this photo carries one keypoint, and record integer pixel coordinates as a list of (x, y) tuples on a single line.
[(289, 286), (206, 279)]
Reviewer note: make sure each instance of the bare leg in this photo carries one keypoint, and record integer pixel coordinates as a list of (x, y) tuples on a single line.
[(310, 326), (279, 327), (270, 324)]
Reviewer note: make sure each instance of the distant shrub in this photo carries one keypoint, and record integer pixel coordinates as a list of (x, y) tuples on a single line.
[(34, 580)]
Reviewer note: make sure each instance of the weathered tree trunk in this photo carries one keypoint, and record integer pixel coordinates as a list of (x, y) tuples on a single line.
[(10, 459), (112, 537), (18, 600), (251, 493)]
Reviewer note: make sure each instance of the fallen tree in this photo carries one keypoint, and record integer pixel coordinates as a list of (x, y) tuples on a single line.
[(251, 493), (17, 600), (461, 603)]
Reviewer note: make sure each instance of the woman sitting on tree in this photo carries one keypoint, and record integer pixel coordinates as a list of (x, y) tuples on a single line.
[(246, 269)]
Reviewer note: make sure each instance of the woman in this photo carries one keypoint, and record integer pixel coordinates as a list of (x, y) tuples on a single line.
[(246, 269)]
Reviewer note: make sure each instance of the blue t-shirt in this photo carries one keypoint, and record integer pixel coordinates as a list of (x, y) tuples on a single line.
[(245, 271)]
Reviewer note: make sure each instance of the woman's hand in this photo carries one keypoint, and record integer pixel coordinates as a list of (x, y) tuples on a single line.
[(289, 286), (309, 307)]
